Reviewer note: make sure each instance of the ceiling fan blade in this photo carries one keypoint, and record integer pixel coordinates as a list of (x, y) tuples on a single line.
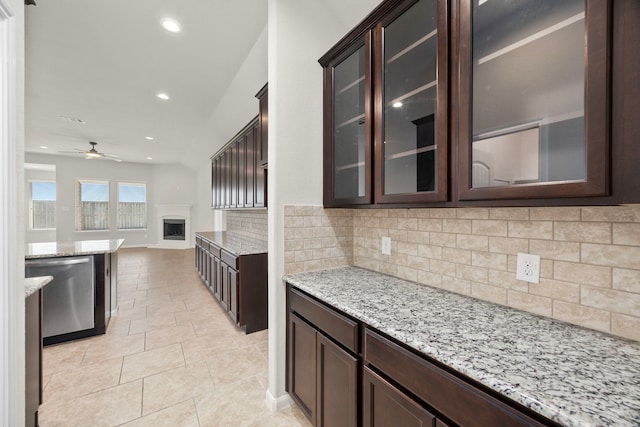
[(72, 152), (113, 159)]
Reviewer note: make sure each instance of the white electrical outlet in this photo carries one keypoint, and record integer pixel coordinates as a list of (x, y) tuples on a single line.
[(386, 246), (528, 268)]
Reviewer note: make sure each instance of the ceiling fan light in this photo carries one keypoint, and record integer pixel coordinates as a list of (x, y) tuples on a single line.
[(91, 155)]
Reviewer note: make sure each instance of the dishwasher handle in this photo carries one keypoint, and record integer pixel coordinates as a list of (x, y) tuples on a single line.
[(55, 263)]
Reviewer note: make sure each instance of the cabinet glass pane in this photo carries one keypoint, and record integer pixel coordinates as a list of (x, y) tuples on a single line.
[(410, 100), (528, 92), (349, 130)]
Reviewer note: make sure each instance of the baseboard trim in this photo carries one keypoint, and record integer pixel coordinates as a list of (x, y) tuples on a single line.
[(276, 404)]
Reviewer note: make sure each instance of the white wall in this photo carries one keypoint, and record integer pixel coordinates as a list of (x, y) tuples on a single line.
[(300, 32), (166, 184), (172, 185), (236, 109), (12, 219)]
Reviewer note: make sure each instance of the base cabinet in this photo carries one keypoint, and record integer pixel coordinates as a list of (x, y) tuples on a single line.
[(339, 379), (33, 357), (238, 283), (337, 387), (302, 382), (383, 405), (322, 375)]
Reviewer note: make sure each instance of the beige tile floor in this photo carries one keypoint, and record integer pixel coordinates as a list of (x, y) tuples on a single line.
[(171, 357)]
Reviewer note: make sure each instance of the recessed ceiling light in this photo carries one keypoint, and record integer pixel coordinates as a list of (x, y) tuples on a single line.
[(43, 146), (149, 158), (397, 104), (162, 96), (171, 25), (150, 138)]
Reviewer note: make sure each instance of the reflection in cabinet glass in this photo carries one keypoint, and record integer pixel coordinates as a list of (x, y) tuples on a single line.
[(537, 99), (349, 127), (411, 157), (409, 101), (528, 107)]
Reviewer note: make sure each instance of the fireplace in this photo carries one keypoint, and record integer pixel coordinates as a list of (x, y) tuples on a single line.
[(174, 229)]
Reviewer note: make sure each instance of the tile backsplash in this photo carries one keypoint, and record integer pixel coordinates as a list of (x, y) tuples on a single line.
[(590, 256), (251, 222)]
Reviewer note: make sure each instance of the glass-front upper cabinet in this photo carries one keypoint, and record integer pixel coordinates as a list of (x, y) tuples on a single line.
[(410, 72), (347, 148), (533, 99)]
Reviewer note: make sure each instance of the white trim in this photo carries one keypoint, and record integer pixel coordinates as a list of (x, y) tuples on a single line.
[(173, 212), (276, 404), (11, 397)]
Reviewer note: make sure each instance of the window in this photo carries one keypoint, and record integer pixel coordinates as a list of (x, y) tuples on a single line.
[(43, 205), (93, 205), (132, 206)]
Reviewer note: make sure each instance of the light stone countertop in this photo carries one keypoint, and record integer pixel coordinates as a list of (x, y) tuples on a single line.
[(33, 284), (79, 247), (236, 243), (571, 375)]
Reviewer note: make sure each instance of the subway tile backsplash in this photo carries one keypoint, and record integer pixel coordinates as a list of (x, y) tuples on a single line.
[(590, 256), (252, 223)]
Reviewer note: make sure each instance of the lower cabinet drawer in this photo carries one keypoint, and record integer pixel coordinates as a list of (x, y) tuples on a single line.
[(332, 323), (461, 402), (229, 259)]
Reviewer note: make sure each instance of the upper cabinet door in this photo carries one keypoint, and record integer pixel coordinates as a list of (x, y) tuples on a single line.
[(410, 120), (533, 99), (347, 134)]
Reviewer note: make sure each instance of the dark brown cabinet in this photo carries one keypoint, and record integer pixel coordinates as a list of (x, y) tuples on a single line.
[(383, 405), (455, 103), (322, 374), (238, 283), (33, 357), (385, 114), (238, 170), (263, 135), (544, 133), (302, 365), (384, 384), (451, 397), (237, 179), (337, 387)]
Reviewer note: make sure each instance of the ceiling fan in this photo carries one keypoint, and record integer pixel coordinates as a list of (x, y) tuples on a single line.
[(94, 154)]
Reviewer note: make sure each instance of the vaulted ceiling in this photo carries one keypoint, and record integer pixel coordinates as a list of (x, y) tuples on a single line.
[(94, 68)]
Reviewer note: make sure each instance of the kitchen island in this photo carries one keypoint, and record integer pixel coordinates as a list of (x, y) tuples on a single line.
[(33, 346), (429, 342), (78, 303)]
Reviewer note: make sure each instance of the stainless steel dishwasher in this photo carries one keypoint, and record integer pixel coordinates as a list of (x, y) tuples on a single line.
[(68, 302)]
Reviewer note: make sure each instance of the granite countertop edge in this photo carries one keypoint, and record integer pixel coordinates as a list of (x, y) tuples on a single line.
[(73, 248), (33, 284), (554, 368), (237, 244)]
